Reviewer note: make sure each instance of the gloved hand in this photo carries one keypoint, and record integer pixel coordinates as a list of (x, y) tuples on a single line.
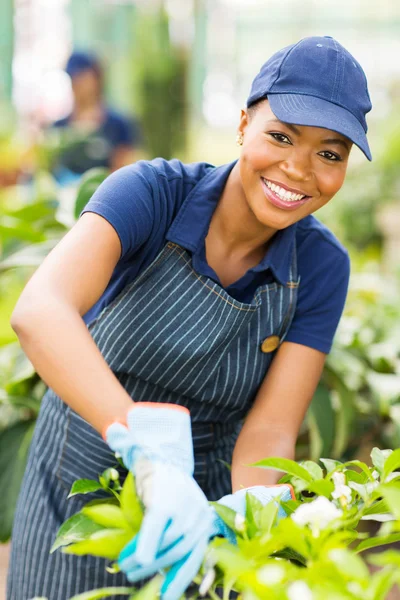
[(157, 447), (237, 502)]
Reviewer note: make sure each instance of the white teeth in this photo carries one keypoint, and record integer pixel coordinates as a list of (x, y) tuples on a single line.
[(282, 193)]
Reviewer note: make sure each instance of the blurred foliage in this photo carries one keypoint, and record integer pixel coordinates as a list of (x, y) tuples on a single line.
[(159, 75), (357, 403), (368, 187)]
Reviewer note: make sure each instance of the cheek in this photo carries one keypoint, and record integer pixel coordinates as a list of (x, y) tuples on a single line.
[(331, 183), (256, 161)]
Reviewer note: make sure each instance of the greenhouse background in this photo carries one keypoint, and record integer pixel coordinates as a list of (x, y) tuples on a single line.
[(183, 69)]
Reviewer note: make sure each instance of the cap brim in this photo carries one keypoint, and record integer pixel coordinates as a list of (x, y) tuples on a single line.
[(299, 109)]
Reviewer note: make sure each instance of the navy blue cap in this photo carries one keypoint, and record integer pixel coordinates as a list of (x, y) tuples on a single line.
[(79, 62), (316, 82)]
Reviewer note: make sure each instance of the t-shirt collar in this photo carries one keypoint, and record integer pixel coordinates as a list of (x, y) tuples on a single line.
[(191, 224)]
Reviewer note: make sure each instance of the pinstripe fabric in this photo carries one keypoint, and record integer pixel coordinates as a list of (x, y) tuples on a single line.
[(171, 336)]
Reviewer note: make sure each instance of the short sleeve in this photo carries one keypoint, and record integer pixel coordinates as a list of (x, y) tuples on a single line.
[(127, 200), (324, 271)]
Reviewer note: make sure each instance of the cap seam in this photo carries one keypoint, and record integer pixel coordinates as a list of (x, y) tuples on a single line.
[(283, 61)]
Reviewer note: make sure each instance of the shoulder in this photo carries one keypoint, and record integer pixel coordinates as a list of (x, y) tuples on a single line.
[(170, 179), (145, 197), (319, 248)]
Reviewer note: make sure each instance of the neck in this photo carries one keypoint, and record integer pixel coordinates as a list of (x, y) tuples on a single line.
[(235, 225), (89, 108)]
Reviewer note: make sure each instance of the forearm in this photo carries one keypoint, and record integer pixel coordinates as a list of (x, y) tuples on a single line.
[(254, 445), (61, 349)]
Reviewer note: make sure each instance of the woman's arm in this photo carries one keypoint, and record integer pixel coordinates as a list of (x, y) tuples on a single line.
[(49, 325), (273, 423)]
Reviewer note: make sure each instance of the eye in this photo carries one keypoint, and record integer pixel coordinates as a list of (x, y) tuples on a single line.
[(280, 137), (331, 156)]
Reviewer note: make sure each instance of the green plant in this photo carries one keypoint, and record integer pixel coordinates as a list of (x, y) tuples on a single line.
[(28, 233), (357, 403), (315, 553)]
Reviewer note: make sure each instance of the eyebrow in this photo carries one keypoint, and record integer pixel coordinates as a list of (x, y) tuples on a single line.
[(297, 131)]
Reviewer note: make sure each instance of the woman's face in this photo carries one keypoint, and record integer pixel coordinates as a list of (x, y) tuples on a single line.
[(288, 171)]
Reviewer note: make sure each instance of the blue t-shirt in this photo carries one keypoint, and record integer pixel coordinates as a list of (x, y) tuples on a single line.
[(96, 148), (152, 202)]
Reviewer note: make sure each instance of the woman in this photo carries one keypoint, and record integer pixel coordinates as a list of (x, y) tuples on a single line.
[(101, 137), (207, 296)]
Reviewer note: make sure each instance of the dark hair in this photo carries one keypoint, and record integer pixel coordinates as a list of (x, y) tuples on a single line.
[(252, 109)]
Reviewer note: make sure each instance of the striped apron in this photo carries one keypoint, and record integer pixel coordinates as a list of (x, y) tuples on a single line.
[(172, 336)]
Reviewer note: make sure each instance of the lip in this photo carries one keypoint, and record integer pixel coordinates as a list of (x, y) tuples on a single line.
[(276, 201)]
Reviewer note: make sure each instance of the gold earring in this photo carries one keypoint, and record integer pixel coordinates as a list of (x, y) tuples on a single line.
[(239, 139)]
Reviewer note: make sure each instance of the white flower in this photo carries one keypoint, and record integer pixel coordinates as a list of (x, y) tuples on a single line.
[(375, 474), (371, 486), (270, 574), (317, 513), (299, 590), (392, 476), (207, 582), (342, 492), (240, 523)]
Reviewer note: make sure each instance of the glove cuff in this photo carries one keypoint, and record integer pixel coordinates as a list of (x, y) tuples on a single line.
[(265, 493), (157, 431)]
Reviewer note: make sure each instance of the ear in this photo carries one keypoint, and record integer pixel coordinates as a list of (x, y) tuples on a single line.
[(244, 121)]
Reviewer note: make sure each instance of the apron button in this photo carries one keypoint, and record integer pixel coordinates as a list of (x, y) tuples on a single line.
[(270, 344)]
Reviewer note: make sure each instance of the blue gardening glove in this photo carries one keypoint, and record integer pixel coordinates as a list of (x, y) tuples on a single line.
[(157, 447), (237, 502)]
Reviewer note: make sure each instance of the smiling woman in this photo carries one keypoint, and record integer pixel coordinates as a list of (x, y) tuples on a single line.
[(187, 317)]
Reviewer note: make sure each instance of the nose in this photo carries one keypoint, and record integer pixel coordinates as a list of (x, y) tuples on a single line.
[(297, 166)]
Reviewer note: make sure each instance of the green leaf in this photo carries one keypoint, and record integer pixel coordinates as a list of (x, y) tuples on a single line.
[(130, 503), (253, 514), (106, 543), (378, 459), (84, 486), (108, 478), (381, 559), (14, 446), (391, 493), (350, 565), (345, 415), (376, 508), (381, 583), (322, 488), (89, 184), (355, 476), (228, 515), (356, 463), (104, 593), (361, 490), (286, 465), (391, 463), (313, 468), (329, 464), (29, 256), (268, 516), (108, 516), (151, 591), (22, 369), (321, 421), (75, 529), (377, 541)]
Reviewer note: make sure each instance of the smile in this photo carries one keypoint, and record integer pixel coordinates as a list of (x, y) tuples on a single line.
[(282, 197)]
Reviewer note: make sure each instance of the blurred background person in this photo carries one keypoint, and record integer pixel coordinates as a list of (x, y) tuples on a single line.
[(96, 135)]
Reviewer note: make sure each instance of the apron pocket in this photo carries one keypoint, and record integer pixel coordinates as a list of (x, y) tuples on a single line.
[(84, 454)]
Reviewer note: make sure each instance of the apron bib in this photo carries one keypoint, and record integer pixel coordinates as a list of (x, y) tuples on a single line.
[(171, 336)]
